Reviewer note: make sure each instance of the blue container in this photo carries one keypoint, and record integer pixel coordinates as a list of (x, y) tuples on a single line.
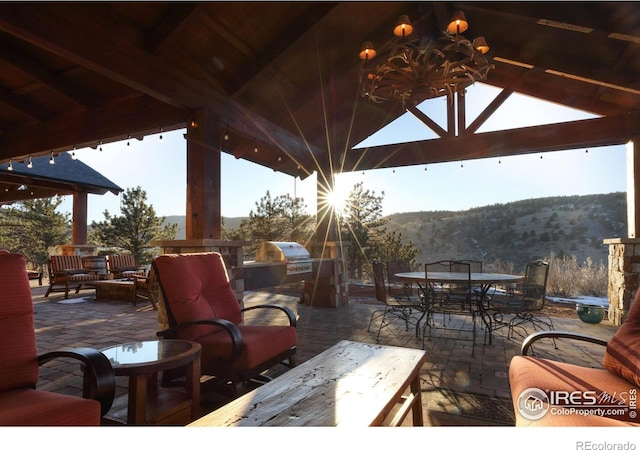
[(590, 313)]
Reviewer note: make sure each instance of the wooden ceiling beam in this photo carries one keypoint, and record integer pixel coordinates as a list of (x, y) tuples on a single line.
[(179, 16), (88, 44), (135, 117), (24, 105), (301, 25), (587, 133), (18, 59)]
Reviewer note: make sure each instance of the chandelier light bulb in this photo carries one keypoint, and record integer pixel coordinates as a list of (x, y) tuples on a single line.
[(403, 27), (458, 23), (367, 52)]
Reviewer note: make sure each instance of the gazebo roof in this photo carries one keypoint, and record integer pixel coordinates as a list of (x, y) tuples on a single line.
[(67, 176), (284, 77)]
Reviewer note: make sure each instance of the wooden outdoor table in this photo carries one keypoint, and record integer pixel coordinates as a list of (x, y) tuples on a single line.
[(349, 384), (118, 289)]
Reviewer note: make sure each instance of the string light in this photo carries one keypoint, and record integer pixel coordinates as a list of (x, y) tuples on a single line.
[(10, 168), (51, 160), (30, 163), (161, 141), (73, 153), (128, 140), (226, 134)]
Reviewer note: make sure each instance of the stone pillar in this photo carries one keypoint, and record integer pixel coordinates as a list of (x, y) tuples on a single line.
[(329, 284), (624, 276)]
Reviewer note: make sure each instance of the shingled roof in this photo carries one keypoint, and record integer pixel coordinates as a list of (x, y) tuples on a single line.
[(66, 177)]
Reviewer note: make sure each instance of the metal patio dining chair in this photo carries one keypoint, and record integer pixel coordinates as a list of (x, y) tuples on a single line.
[(448, 291), (396, 307), (523, 304)]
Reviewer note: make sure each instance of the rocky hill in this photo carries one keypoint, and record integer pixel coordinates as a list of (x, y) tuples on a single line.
[(518, 232), (515, 232)]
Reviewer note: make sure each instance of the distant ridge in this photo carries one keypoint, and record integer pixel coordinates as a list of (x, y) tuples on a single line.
[(230, 222), (515, 232)]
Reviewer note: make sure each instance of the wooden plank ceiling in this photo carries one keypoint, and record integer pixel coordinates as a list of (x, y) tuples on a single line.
[(283, 77)]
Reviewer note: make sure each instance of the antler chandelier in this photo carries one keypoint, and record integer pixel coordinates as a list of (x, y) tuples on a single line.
[(418, 69)]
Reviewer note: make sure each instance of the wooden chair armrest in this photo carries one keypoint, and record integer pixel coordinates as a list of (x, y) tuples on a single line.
[(99, 378), (529, 341), (230, 327), (293, 321)]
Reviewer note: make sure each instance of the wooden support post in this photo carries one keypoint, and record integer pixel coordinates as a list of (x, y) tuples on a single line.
[(203, 218), (325, 215), (79, 220), (633, 187)]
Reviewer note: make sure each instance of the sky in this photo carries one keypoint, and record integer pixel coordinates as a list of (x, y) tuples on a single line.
[(158, 166)]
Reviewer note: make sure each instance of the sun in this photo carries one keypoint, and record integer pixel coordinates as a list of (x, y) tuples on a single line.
[(337, 198)]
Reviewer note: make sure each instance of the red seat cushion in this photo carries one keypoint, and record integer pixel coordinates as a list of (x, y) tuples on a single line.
[(40, 408), (623, 350), (261, 344), (526, 372)]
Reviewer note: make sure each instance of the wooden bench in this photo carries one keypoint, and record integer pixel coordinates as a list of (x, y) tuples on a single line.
[(67, 272), (350, 384), (35, 275)]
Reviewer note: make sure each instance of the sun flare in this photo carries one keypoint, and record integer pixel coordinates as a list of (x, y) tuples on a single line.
[(337, 198)]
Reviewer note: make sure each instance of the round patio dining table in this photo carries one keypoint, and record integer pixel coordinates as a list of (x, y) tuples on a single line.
[(484, 280)]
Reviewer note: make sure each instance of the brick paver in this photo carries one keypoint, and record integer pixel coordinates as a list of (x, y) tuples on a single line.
[(83, 321)]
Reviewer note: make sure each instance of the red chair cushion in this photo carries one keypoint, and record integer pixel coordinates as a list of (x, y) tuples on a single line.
[(18, 352), (527, 372), (196, 286), (40, 408), (261, 344), (623, 350)]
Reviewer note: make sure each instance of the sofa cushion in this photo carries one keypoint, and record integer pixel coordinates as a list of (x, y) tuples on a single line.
[(527, 372), (623, 350), (30, 407)]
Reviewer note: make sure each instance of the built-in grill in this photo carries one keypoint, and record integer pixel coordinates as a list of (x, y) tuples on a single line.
[(294, 254), (277, 263)]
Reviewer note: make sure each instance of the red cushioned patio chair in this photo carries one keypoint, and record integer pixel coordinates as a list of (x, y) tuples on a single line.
[(20, 402), (201, 306)]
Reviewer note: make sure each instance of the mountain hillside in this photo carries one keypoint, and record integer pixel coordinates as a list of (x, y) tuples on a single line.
[(516, 232), (231, 222)]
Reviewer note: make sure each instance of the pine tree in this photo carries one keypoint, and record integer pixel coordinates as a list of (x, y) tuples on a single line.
[(33, 228), (134, 229)]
